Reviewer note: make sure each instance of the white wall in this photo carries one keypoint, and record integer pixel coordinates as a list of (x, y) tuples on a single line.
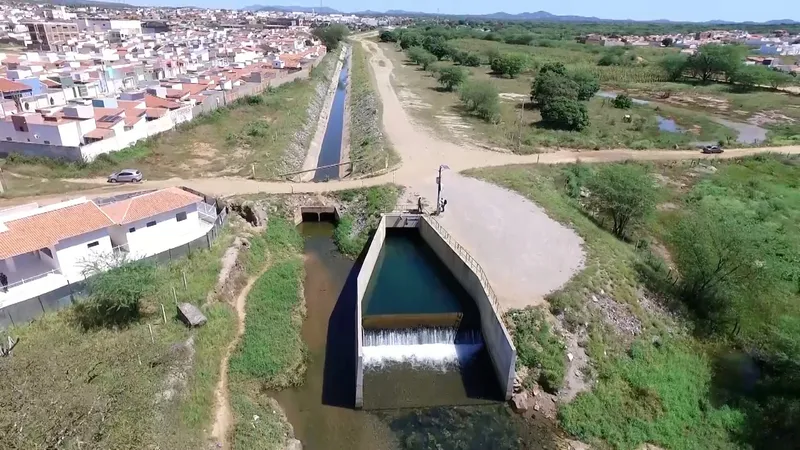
[(149, 240), (73, 253), (66, 134)]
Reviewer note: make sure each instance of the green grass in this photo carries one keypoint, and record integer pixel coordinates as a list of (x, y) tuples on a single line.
[(271, 348), (658, 395), (664, 386), (101, 385), (364, 210), (254, 130), (369, 150), (271, 353), (538, 348)]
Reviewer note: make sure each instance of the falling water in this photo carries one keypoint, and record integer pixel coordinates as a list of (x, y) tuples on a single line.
[(430, 347)]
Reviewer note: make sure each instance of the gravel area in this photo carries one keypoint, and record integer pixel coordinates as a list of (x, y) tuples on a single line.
[(525, 253)]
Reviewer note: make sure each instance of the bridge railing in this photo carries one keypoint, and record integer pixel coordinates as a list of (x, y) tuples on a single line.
[(467, 257)]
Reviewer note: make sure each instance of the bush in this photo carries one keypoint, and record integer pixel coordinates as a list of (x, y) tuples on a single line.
[(451, 77), (587, 84), (622, 101), (509, 64), (437, 46), (420, 56), (471, 59), (387, 36), (673, 66), (550, 85), (624, 193), (114, 296), (565, 113), (482, 99)]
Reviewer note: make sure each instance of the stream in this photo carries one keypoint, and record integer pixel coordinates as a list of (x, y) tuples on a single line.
[(747, 133), (321, 410)]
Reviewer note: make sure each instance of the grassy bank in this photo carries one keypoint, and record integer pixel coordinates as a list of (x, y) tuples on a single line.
[(120, 388), (369, 149), (362, 214), (662, 385), (254, 130), (271, 354)]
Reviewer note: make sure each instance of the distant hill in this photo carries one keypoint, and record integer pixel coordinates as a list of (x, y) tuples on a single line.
[(538, 16), (305, 9)]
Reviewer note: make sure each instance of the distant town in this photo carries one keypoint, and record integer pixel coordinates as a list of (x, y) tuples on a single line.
[(95, 80)]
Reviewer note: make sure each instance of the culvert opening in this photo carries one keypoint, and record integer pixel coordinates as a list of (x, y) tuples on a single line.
[(319, 214)]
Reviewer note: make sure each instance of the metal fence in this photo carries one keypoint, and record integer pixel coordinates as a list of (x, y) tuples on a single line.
[(27, 310), (465, 255)]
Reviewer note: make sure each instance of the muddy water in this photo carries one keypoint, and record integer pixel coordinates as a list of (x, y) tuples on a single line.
[(321, 410)]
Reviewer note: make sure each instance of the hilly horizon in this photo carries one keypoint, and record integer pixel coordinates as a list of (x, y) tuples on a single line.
[(542, 16)]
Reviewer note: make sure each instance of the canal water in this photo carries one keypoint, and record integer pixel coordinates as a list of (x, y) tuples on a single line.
[(331, 150), (412, 407)]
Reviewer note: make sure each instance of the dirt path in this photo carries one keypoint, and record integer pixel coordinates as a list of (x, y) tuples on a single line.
[(223, 415)]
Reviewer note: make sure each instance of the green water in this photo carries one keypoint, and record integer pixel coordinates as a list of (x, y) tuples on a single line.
[(321, 409), (409, 279)]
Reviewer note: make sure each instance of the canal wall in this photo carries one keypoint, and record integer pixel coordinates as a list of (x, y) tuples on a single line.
[(344, 153), (364, 274), (471, 276), (315, 147)]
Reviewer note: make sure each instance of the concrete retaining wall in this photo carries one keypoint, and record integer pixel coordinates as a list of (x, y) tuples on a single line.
[(364, 275), (399, 220), (498, 341)]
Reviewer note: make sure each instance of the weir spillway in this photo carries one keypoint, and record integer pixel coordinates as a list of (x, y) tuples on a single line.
[(425, 309)]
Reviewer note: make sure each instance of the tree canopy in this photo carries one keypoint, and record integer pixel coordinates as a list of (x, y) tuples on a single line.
[(331, 35), (509, 64), (623, 193), (451, 77)]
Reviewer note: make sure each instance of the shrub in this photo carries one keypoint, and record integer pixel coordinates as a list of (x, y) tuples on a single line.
[(509, 64), (451, 77), (420, 56), (622, 101), (587, 84), (538, 348), (114, 296), (625, 193), (482, 99), (565, 113)]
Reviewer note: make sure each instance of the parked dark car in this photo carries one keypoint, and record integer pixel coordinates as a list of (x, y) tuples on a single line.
[(126, 175), (712, 149)]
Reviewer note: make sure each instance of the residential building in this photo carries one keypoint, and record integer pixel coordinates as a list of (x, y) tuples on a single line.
[(52, 36), (43, 249)]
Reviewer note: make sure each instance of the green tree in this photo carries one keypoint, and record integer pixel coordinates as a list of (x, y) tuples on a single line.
[(713, 60), (115, 295), (716, 249), (622, 101), (552, 84), (624, 193), (776, 79), (437, 45), (481, 98), (472, 59), (565, 113), (410, 39), (509, 64), (451, 77), (674, 66), (748, 78), (420, 56), (587, 84), (667, 42), (331, 35), (387, 36)]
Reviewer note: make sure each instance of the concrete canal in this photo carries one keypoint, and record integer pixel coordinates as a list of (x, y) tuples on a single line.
[(331, 151), (444, 397)]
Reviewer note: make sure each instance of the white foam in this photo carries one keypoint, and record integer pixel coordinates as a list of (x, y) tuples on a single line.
[(441, 356)]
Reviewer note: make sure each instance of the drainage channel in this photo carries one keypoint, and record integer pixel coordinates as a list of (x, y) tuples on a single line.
[(331, 151)]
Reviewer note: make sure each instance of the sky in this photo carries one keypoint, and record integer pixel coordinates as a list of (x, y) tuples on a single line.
[(683, 10)]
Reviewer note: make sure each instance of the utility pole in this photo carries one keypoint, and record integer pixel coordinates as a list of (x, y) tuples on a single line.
[(439, 188)]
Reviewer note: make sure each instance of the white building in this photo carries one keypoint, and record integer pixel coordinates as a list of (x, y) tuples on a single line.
[(42, 249)]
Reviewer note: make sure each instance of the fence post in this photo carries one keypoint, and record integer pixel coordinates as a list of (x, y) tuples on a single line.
[(208, 239), (40, 303)]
